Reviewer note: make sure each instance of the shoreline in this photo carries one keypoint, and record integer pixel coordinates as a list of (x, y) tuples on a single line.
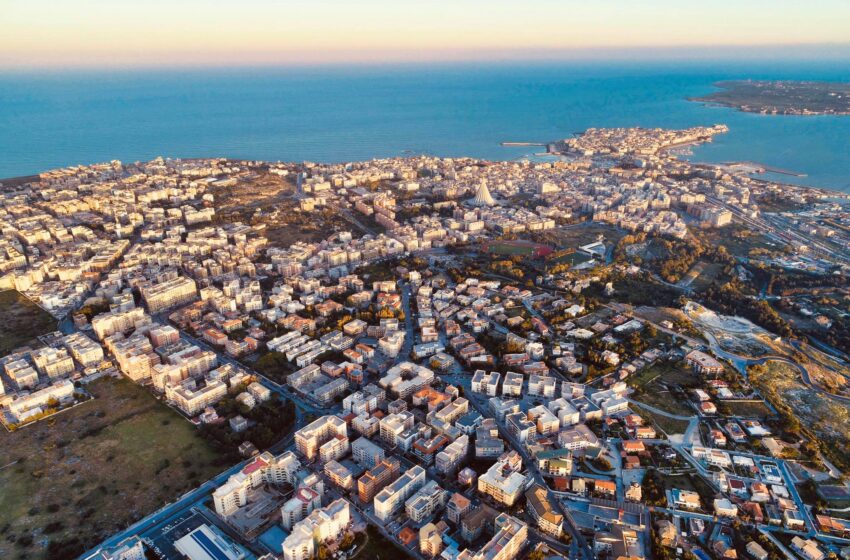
[(11, 183)]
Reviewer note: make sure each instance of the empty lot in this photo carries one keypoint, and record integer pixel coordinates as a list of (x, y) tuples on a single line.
[(71, 480)]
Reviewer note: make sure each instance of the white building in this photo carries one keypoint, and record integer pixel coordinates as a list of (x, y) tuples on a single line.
[(320, 526), (389, 501), (326, 437)]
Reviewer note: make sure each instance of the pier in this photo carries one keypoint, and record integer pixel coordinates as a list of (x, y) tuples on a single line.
[(515, 144)]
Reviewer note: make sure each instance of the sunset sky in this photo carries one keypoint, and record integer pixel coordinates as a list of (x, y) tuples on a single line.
[(60, 33)]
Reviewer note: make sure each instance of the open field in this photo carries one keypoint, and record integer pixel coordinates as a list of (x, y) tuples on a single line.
[(651, 387), (378, 547), (73, 479), (706, 273), (676, 373), (826, 418), (670, 426), (739, 240), (22, 321), (748, 409), (575, 236), (267, 200), (692, 483)]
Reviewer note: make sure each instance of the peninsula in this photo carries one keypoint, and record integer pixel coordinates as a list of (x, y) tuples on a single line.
[(772, 97)]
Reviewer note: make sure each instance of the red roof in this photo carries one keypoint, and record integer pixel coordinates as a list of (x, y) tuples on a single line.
[(255, 465)]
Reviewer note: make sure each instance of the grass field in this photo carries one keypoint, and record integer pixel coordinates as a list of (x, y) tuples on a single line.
[(745, 409), (580, 234), (650, 387), (670, 426), (827, 418), (22, 321), (379, 547), (705, 274), (677, 373), (692, 483), (71, 480)]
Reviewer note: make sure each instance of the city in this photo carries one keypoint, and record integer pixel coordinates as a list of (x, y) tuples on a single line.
[(577, 357)]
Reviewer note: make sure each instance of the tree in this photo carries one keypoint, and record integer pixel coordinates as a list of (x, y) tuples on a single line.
[(347, 541)]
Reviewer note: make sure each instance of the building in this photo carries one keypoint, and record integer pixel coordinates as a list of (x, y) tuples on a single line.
[(366, 453), (404, 379), (130, 548), (207, 543), (503, 482), (321, 525), (618, 542), (192, 397), (685, 499), (325, 438), (425, 502), (430, 540), (808, 548), (703, 363), (27, 406), (542, 511), (263, 469), (339, 474), (53, 362), (453, 455), (457, 507), (389, 501), (158, 297), (87, 352), (375, 479), (507, 543), (302, 503), (106, 324)]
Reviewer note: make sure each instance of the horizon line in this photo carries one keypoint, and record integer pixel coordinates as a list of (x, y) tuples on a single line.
[(728, 53)]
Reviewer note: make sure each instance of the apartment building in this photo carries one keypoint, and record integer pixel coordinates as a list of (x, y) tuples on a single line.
[(389, 501), (319, 526), (106, 324), (507, 543), (366, 453), (543, 511), (302, 503), (339, 474), (451, 457), (84, 350), (161, 296), (264, 468), (53, 362), (375, 479), (503, 482), (404, 379), (27, 406), (193, 396), (326, 437), (425, 502)]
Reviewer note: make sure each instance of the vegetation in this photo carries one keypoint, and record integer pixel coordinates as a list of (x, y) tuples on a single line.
[(23, 321), (274, 365), (652, 489), (89, 464), (805, 413), (729, 299), (269, 422)]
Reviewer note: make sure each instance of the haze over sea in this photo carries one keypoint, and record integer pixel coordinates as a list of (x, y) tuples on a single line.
[(56, 119)]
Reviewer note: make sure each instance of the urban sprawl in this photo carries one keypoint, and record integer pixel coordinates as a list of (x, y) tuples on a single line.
[(462, 345)]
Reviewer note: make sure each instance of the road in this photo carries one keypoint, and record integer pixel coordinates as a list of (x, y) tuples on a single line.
[(583, 548)]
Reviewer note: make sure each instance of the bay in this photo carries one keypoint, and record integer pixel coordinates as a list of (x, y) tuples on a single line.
[(329, 113)]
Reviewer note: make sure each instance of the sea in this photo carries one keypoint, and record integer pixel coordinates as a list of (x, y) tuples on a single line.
[(333, 113)]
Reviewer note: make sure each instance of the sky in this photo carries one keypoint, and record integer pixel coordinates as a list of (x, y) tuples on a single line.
[(95, 33)]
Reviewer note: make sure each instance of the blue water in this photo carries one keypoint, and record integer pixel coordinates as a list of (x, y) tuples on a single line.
[(336, 114)]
